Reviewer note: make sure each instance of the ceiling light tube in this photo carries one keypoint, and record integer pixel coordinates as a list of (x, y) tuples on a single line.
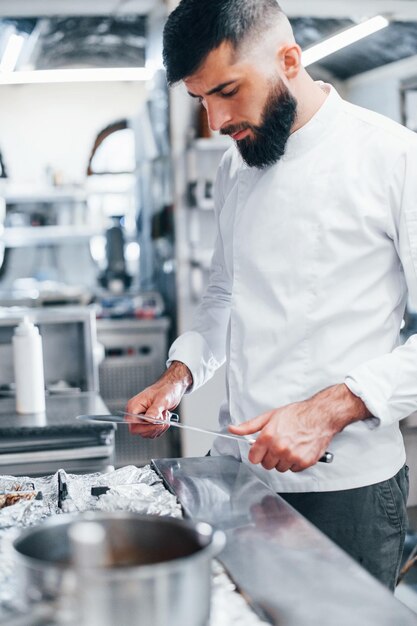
[(11, 53), (77, 75), (343, 39)]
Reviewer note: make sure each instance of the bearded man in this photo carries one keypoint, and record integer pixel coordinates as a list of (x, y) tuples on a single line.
[(316, 206)]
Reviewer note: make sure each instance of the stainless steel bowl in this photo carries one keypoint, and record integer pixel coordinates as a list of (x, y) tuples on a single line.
[(157, 570)]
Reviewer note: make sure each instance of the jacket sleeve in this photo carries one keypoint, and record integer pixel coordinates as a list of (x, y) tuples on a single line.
[(388, 384), (203, 348)]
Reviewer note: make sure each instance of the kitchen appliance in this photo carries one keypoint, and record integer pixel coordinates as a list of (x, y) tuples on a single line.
[(69, 345), (39, 444), (156, 570), (42, 443), (115, 277), (135, 352)]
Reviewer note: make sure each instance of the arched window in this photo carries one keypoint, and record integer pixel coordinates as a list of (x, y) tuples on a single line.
[(113, 151)]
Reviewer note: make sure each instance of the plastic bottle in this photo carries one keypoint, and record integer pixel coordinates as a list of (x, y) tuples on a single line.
[(28, 368)]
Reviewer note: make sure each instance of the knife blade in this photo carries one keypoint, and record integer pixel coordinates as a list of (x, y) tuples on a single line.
[(119, 419), (173, 420)]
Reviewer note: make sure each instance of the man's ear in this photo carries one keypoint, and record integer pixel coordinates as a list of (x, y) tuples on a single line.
[(289, 59)]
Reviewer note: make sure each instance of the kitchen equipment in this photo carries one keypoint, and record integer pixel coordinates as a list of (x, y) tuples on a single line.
[(40, 443), (69, 344), (30, 446), (158, 569), (115, 277), (89, 550), (173, 420), (135, 355), (28, 368)]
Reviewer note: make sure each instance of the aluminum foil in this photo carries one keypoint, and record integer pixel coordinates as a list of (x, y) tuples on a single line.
[(131, 489), (228, 606), (139, 490)]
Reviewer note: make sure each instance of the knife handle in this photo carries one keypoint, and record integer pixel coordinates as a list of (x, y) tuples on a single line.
[(326, 458)]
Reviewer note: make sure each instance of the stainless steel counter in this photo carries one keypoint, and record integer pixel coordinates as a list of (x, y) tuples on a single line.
[(287, 569), (42, 443)]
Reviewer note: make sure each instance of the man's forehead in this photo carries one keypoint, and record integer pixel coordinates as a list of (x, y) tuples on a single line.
[(215, 68)]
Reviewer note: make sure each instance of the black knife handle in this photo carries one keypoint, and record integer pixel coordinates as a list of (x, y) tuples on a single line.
[(326, 458), (62, 488)]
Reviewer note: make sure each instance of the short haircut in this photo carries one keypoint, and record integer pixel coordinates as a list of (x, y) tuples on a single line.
[(196, 27)]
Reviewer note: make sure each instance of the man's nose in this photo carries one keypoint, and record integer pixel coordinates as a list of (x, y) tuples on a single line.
[(218, 115)]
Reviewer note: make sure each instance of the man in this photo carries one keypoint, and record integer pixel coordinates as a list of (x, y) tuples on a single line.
[(316, 206)]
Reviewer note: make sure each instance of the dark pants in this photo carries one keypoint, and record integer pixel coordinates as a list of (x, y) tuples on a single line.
[(369, 523)]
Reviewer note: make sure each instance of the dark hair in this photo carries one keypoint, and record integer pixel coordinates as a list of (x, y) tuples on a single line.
[(196, 27)]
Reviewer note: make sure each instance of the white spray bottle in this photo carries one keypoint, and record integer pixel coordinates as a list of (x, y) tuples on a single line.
[(28, 368)]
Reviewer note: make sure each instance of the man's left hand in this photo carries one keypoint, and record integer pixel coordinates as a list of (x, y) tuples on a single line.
[(295, 436)]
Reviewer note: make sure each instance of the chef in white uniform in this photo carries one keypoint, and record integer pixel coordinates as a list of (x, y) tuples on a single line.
[(316, 252)]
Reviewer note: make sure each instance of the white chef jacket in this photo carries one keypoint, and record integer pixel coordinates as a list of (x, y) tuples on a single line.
[(312, 265)]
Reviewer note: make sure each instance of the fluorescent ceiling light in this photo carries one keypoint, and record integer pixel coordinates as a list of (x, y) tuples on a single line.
[(11, 53), (343, 39), (77, 75)]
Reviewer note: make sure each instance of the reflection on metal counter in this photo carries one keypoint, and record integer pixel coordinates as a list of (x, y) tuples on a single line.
[(286, 568)]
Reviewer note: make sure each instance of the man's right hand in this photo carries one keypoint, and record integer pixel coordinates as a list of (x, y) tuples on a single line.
[(164, 395)]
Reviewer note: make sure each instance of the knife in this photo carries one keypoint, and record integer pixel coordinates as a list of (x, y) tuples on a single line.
[(173, 420)]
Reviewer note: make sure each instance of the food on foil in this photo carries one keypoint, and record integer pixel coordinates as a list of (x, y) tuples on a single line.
[(17, 493)]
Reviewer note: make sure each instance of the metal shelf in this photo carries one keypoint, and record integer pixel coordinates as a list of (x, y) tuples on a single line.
[(24, 236), (43, 195)]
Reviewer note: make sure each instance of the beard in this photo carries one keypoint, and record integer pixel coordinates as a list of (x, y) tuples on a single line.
[(267, 145)]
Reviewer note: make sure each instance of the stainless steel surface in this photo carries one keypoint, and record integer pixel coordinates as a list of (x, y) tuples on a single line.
[(158, 569), (282, 564), (135, 355), (61, 411), (62, 456), (69, 337), (41, 444)]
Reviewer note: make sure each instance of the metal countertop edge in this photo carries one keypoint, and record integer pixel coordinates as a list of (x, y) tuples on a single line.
[(290, 573)]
